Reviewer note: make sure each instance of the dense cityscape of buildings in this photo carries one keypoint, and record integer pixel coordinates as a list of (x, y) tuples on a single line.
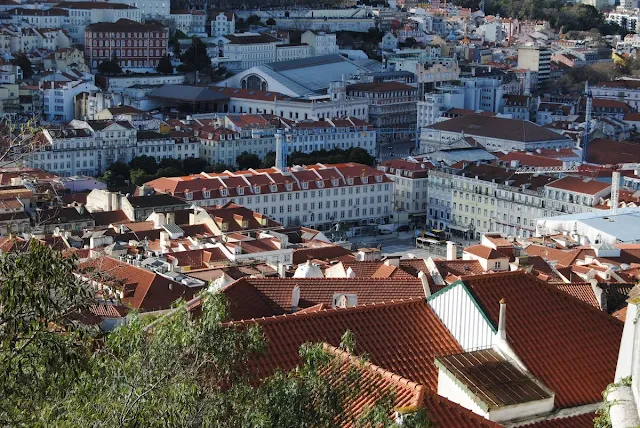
[(411, 172)]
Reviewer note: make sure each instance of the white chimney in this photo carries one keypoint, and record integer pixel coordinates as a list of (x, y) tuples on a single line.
[(502, 320), (350, 273), (164, 239), (425, 283), (295, 298), (452, 250)]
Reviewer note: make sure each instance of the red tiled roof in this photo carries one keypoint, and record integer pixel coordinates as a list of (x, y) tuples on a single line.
[(579, 185), (483, 252), (580, 421), (570, 346), (143, 289), (603, 151), (528, 159), (581, 291), (263, 297), (403, 337), (105, 218), (376, 269), (459, 268), (329, 252)]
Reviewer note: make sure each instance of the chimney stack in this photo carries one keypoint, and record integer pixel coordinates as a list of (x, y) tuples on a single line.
[(295, 298), (425, 284), (502, 320), (452, 251)]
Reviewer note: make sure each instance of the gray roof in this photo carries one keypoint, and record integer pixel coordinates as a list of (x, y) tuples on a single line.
[(623, 225), (498, 127), (314, 74), (173, 228), (186, 93)]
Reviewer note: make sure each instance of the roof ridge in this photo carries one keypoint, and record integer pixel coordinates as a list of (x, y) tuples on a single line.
[(329, 311), (387, 374)]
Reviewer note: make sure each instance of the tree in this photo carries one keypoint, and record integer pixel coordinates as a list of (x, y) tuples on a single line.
[(248, 160), (410, 42), (174, 369), (139, 177), (41, 351), (164, 65), (197, 56), (172, 163), (170, 171), (360, 155), (146, 163), (110, 67), (271, 22), (117, 174), (22, 61), (253, 20), (269, 160), (219, 167), (194, 165)]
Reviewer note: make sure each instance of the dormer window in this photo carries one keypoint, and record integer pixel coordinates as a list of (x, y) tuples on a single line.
[(334, 182), (350, 181), (224, 192), (224, 226), (305, 185), (240, 190), (365, 180), (379, 178), (256, 189), (274, 187), (289, 186), (206, 194), (188, 195), (320, 183)]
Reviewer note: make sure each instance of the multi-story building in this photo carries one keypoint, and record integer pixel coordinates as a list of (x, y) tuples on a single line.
[(342, 19), (489, 198), (190, 22), (89, 147), (246, 50), (134, 44), (626, 90), (83, 13), (535, 58), (222, 23), (25, 39), (59, 92), (291, 51), (517, 106), (321, 43), (410, 181), (38, 18), (493, 133), (318, 195), (224, 140), (391, 104), (65, 58), (151, 8)]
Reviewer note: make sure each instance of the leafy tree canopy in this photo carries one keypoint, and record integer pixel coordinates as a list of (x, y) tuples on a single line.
[(22, 61), (164, 65), (146, 163), (354, 154), (248, 160), (196, 56)]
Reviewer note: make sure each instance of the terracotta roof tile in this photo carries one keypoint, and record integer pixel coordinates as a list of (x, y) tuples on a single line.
[(380, 330), (580, 421), (581, 291), (569, 345), (484, 252), (579, 185), (329, 252), (262, 297)]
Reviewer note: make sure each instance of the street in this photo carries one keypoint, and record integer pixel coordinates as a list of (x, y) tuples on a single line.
[(403, 245), (395, 149)]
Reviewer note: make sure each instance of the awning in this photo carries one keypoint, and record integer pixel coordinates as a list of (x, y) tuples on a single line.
[(459, 228)]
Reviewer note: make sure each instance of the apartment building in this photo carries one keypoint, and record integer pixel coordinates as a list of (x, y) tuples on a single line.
[(59, 92), (489, 198), (625, 90), (190, 22), (89, 147), (246, 50), (289, 51), (391, 104), (151, 8), (25, 39), (222, 141), (319, 195), (38, 18), (83, 13), (222, 23), (321, 43), (535, 58), (410, 182), (135, 44), (62, 59)]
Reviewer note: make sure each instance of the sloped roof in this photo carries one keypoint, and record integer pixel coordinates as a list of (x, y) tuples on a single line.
[(263, 297), (579, 185), (569, 345), (584, 420), (498, 127), (187, 93), (581, 291), (380, 330), (484, 252)]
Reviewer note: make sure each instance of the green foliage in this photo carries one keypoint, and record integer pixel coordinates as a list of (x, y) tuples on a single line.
[(271, 22), (139, 176), (603, 419), (194, 165), (248, 160), (170, 171), (110, 67), (196, 56), (22, 61), (410, 42), (253, 20), (354, 154), (38, 295), (146, 163), (269, 160), (164, 65), (220, 167), (573, 81), (117, 175)]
